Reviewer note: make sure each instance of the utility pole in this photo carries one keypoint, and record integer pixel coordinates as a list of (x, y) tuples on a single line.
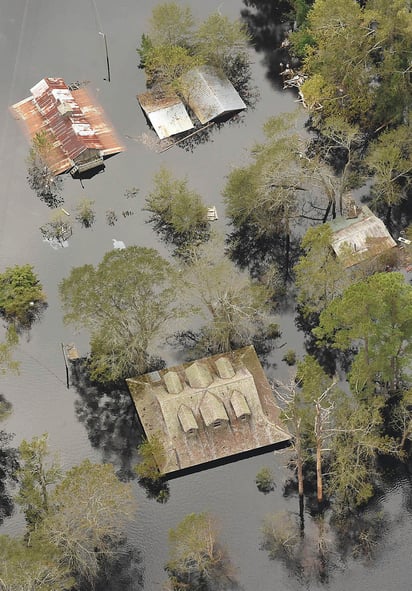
[(107, 56)]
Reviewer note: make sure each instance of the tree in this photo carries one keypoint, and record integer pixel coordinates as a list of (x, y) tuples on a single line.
[(319, 276), (316, 391), (356, 61), (376, 315), (237, 310), (87, 513), (85, 214), (177, 212), (294, 415), (36, 475), (357, 440), (390, 160), (222, 43), (40, 177), (171, 24), (32, 568), (152, 454), (21, 294), (196, 559), (58, 229), (126, 302), (166, 64), (264, 480)]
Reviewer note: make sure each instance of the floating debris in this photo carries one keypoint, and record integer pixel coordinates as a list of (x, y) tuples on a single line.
[(118, 244)]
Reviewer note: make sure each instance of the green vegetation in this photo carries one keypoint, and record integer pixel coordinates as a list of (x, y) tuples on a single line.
[(58, 229), (264, 480), (175, 44), (21, 295), (152, 454), (7, 363), (357, 61), (177, 213), (196, 559), (85, 214), (74, 522), (46, 185), (126, 302)]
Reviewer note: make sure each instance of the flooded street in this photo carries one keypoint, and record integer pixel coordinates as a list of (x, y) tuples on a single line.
[(40, 38)]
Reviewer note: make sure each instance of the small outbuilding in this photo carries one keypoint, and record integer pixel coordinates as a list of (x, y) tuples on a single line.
[(209, 94), (166, 113)]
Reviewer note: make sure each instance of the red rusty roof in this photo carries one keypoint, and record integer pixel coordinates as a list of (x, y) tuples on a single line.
[(73, 120)]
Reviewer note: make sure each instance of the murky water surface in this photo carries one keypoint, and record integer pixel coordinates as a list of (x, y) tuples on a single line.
[(48, 38)]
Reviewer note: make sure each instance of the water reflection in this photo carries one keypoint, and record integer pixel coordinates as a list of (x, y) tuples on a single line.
[(8, 464), (124, 571), (110, 419), (268, 22)]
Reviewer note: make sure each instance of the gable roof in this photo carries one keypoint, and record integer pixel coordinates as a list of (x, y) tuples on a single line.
[(239, 404), (187, 418), (198, 375), (166, 113), (210, 94), (72, 119), (212, 409), (360, 238)]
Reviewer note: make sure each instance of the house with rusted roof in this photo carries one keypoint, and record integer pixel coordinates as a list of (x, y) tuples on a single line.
[(359, 236), (78, 134), (207, 410)]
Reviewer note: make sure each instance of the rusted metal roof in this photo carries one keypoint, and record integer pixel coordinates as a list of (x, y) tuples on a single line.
[(73, 120), (357, 239), (209, 94), (166, 113)]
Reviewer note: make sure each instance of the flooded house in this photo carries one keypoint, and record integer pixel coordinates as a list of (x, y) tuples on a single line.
[(78, 134), (210, 95), (166, 113), (209, 409), (359, 236)]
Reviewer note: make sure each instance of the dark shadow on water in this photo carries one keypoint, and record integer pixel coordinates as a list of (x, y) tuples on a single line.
[(159, 490), (258, 253), (268, 22), (110, 419), (228, 460), (123, 572)]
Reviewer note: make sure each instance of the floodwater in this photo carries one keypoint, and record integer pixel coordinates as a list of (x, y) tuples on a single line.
[(41, 38)]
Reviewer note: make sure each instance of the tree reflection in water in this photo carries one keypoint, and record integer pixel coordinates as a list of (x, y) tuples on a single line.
[(123, 571), (110, 418), (267, 23)]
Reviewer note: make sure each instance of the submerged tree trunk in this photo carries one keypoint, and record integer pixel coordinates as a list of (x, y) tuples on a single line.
[(318, 434)]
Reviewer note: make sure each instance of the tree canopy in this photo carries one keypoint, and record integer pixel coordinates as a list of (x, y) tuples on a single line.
[(375, 315), (20, 294), (177, 212), (357, 61), (126, 302)]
